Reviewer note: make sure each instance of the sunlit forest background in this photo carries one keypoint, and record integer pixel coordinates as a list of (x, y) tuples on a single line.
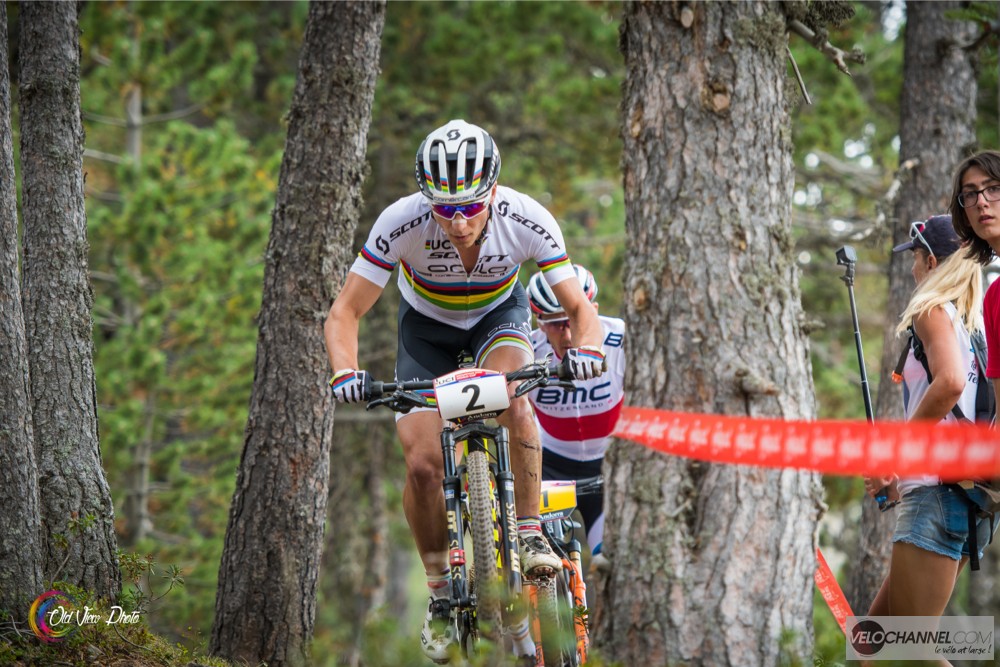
[(184, 109)]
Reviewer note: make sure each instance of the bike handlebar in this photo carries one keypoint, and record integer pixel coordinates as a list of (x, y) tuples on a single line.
[(590, 485), (401, 396)]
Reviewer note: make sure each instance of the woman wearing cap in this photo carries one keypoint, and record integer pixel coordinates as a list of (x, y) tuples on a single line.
[(930, 541)]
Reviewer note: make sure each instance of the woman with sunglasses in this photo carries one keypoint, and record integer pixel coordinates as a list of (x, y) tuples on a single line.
[(930, 540), (459, 243)]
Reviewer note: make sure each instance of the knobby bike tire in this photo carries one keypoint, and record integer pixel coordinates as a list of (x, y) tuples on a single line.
[(555, 620), (484, 557)]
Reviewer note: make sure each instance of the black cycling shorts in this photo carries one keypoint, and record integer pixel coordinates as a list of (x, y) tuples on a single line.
[(556, 467), (428, 348)]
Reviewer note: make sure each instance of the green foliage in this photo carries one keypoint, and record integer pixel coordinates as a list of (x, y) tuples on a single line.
[(176, 333), (177, 233)]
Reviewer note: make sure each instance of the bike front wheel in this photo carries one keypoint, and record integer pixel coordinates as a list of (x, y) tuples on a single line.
[(486, 582)]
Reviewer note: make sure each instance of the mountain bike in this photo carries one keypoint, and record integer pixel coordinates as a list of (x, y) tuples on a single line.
[(486, 594), (559, 604)]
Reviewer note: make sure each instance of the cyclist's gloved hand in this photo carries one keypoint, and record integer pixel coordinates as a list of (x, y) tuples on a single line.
[(585, 362), (351, 386)]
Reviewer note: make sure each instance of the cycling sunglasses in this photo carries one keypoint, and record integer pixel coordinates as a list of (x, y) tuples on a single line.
[(916, 229), (470, 210)]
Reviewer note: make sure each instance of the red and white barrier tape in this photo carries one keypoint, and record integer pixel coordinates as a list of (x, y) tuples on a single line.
[(952, 452), (828, 587)]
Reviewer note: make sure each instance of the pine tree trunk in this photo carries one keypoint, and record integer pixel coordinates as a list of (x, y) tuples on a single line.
[(937, 126), (79, 544), (20, 547), (266, 599), (710, 564)]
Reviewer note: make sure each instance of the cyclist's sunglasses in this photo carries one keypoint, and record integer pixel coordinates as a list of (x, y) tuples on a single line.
[(470, 210), (559, 323), (916, 229)]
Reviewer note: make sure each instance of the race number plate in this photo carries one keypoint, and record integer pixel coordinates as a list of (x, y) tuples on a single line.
[(558, 499), (471, 392)]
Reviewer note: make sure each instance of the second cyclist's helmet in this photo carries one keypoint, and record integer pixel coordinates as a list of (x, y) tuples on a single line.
[(456, 163), (543, 300)]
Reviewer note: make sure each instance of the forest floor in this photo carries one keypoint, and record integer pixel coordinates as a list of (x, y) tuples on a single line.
[(99, 644)]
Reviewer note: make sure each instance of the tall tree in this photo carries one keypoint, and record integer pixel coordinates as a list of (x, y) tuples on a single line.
[(710, 564), (20, 562), (79, 544), (266, 599), (937, 127)]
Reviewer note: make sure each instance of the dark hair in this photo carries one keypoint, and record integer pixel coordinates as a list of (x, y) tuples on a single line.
[(989, 162)]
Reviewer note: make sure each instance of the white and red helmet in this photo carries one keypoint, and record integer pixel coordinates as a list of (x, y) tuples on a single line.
[(543, 300)]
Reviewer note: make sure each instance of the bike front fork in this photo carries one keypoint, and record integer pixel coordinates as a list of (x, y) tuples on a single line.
[(477, 435)]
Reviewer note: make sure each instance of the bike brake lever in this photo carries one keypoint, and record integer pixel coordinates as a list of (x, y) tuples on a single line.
[(379, 401), (528, 385), (414, 399), (565, 384)]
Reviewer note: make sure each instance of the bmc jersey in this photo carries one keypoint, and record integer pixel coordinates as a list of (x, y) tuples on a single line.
[(431, 276), (578, 424), (915, 386)]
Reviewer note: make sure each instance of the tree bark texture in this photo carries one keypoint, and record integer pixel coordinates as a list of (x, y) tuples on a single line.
[(20, 539), (937, 126), (268, 577), (710, 564), (79, 544)]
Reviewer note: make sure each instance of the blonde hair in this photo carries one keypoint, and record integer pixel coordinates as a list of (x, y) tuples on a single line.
[(957, 280)]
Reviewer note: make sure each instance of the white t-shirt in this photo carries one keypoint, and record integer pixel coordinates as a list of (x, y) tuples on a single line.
[(915, 386), (578, 424), (431, 276)]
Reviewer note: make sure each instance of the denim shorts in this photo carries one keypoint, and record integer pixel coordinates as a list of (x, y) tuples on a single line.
[(936, 518)]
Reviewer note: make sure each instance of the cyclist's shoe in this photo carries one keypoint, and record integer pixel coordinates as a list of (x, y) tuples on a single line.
[(438, 633), (537, 559), (526, 661)]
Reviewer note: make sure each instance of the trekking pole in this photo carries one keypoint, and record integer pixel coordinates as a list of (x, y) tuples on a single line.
[(847, 258)]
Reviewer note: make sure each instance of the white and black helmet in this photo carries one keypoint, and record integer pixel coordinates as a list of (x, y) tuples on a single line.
[(458, 162), (544, 301)]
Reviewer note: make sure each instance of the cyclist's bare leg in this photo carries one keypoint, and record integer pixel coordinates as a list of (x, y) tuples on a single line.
[(423, 496), (525, 448)]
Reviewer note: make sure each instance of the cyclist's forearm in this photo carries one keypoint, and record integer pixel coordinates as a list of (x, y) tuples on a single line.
[(341, 335), (341, 328), (586, 327)]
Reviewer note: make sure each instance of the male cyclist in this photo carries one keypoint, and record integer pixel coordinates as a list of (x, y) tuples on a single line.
[(576, 426), (459, 243)]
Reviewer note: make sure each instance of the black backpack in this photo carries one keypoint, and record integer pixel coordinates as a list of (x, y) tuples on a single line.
[(986, 410), (986, 404)]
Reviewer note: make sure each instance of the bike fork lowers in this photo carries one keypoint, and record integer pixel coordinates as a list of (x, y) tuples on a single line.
[(453, 511), (508, 512)]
